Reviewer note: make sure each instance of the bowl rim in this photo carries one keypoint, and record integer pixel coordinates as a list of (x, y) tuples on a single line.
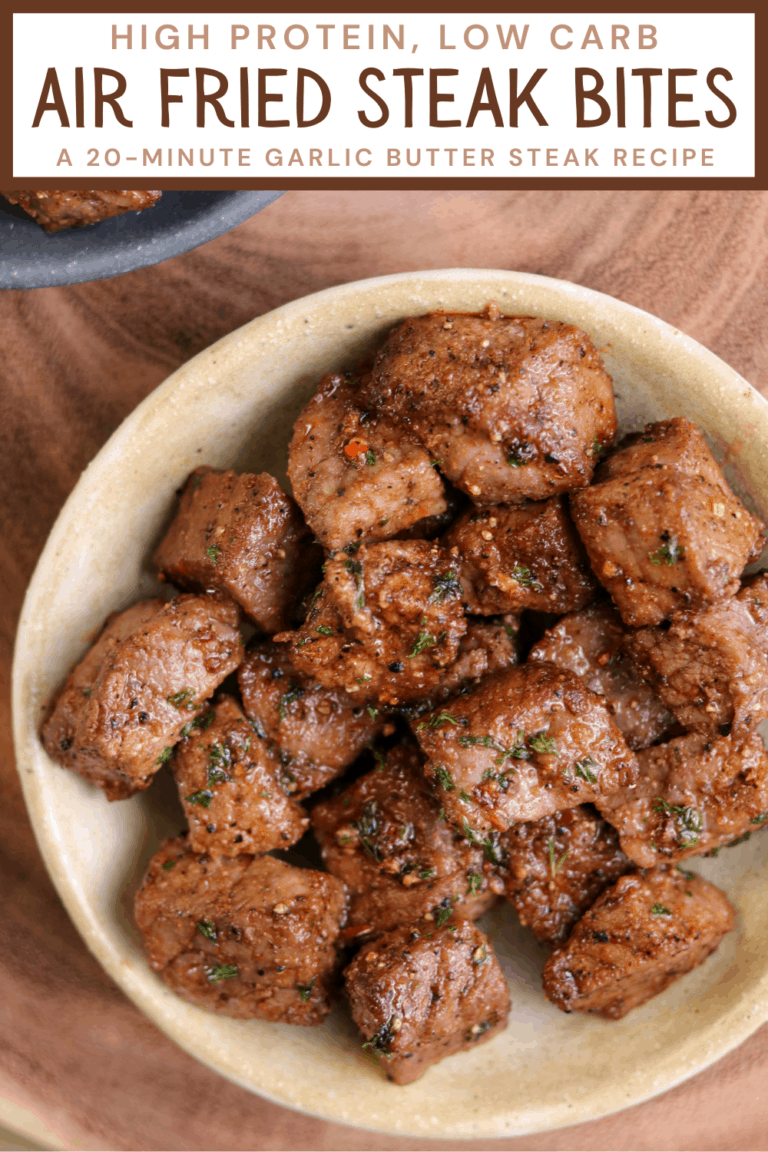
[(738, 1022)]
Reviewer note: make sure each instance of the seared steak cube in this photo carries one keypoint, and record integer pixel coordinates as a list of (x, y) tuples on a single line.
[(242, 936), (693, 794), (521, 556), (523, 744), (488, 646), (385, 622), (423, 992), (145, 679), (662, 527), (315, 732), (356, 475), (638, 937), (385, 838), (243, 535), (558, 866), (591, 644), (54, 211), (706, 664), (230, 787), (510, 407)]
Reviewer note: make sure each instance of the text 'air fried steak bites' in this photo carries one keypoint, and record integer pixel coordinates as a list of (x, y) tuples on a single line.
[(357, 476), (421, 993), (385, 838), (315, 732), (384, 623), (230, 789), (591, 644), (243, 535), (558, 866), (510, 407), (54, 211), (521, 556), (639, 936), (147, 676), (662, 528), (707, 663), (243, 936), (525, 743), (693, 794)]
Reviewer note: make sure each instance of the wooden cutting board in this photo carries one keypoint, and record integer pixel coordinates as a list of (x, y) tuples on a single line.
[(76, 1058)]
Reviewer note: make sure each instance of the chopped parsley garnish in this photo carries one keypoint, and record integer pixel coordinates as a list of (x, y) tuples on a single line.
[(523, 577), (544, 744), (426, 873), (441, 718), (465, 797), (182, 699), (445, 778), (164, 755), (478, 1030), (203, 798), (489, 845), (370, 457), (520, 453), (324, 630), (423, 641), (356, 568), (446, 584), (474, 882), (688, 821), (219, 760), (367, 828), (372, 712), (377, 754), (739, 839), (554, 864), (313, 602), (596, 447), (200, 723), (213, 553), (685, 872), (660, 910), (584, 768), (443, 913), (168, 865), (759, 819), (293, 693), (380, 1042), (669, 553), (517, 752), (87, 692), (221, 972), (207, 928), (305, 990)]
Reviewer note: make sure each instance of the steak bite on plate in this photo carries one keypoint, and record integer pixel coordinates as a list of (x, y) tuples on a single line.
[(423, 992), (314, 732), (694, 794), (662, 527), (54, 211), (385, 622), (523, 744), (591, 644), (356, 475), (636, 939), (145, 679), (519, 556), (558, 866), (385, 838), (707, 664), (244, 536), (248, 937), (510, 407), (230, 787)]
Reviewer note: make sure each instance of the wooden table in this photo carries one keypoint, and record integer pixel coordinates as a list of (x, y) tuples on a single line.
[(76, 1058)]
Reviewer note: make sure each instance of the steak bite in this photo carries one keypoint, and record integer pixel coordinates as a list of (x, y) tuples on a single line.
[(385, 838), (662, 528), (230, 789), (591, 644), (248, 937), (489, 645), (385, 622), (521, 556), (558, 866), (638, 937), (357, 476), (706, 664), (511, 407), (142, 683), (693, 794), (244, 536), (314, 732), (525, 743), (423, 992), (54, 211)]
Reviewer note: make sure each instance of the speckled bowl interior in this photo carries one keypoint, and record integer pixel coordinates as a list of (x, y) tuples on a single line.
[(233, 406)]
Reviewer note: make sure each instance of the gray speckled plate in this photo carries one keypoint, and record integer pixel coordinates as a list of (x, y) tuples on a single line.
[(233, 406), (30, 258)]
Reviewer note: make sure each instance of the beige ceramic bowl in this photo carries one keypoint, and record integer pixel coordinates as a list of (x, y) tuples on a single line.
[(233, 406)]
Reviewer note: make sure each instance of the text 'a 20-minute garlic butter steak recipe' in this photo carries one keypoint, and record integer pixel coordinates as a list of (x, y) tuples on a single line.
[(484, 651)]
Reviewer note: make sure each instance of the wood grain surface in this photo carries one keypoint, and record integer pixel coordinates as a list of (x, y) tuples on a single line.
[(73, 363)]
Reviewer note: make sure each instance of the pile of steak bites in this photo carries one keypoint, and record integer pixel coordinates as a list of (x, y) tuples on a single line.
[(533, 651)]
